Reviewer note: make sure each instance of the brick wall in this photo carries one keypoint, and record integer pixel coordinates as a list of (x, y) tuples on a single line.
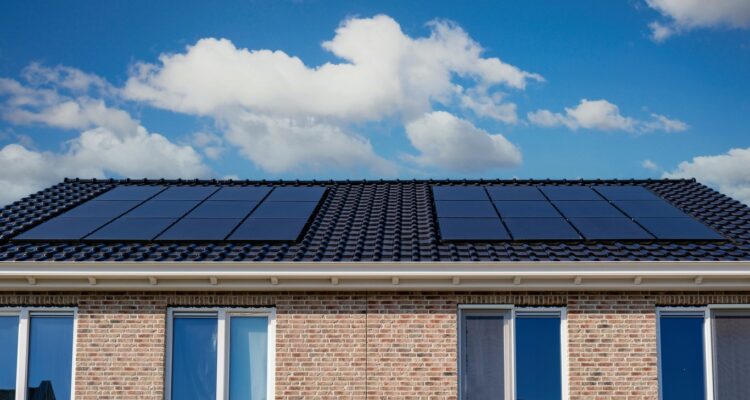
[(366, 345)]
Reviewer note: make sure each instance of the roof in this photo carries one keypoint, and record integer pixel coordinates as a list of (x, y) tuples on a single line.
[(394, 221)]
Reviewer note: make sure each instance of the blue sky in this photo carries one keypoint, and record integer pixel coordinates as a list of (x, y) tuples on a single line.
[(391, 89)]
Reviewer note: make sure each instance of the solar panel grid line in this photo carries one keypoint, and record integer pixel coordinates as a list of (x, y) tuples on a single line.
[(580, 234), (261, 201)]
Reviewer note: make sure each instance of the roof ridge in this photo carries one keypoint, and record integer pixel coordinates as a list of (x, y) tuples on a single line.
[(362, 181)]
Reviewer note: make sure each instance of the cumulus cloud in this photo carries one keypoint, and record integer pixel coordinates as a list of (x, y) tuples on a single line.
[(274, 106), (650, 165), (446, 141), (685, 15), (111, 142), (602, 115), (729, 172)]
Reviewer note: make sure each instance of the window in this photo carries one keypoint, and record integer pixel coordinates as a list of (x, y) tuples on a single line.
[(704, 353), (511, 353), (220, 354), (36, 353)]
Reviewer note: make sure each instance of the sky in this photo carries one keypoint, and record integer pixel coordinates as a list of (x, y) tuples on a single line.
[(388, 89)]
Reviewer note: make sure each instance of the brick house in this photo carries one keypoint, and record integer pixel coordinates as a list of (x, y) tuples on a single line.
[(375, 290)]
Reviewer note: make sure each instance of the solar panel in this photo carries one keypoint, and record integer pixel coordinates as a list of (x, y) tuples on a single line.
[(515, 193), (541, 229), (526, 209), (610, 229), (61, 228), (186, 193), (588, 209), (649, 209), (162, 209), (132, 229), (264, 229), (569, 193), (111, 209), (241, 193), (297, 193), (223, 209), (468, 229), (195, 229), (626, 193), (284, 209), (459, 193), (469, 209), (130, 193), (678, 229)]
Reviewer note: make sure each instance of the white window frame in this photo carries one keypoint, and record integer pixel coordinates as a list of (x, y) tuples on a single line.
[(24, 315), (510, 312), (223, 316), (708, 313)]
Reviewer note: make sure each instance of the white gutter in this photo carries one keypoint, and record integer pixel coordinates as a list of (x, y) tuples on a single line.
[(395, 276)]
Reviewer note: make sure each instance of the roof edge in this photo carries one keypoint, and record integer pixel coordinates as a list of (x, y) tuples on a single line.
[(355, 181)]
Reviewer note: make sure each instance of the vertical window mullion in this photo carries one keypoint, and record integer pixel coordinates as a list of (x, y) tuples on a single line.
[(23, 354), (222, 356)]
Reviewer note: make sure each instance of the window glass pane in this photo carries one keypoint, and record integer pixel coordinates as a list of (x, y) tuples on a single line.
[(248, 358), (194, 358), (50, 357), (8, 356), (482, 357), (732, 337), (681, 357), (538, 357)]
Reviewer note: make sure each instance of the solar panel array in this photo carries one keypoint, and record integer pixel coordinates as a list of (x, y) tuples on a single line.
[(186, 213), (497, 213)]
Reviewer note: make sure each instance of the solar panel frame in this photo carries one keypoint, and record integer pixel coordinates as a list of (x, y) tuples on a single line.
[(269, 230), (297, 193), (526, 209), (222, 209), (472, 229), (131, 229), (649, 209), (540, 229), (96, 208), (466, 209), (587, 209), (186, 193), (241, 193), (162, 209), (474, 193), (627, 193), (599, 228), (200, 229), (679, 229), (515, 193), (63, 228), (130, 193)]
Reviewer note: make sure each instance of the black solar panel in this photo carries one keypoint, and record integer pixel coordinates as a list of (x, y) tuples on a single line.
[(526, 209), (132, 229), (223, 209), (515, 193), (131, 193), (62, 228), (265, 229), (468, 209), (162, 209), (294, 193), (109, 209), (285, 209), (459, 193), (610, 229), (678, 229), (468, 229), (240, 193), (587, 209), (200, 229), (186, 193), (541, 229), (626, 193), (569, 193), (649, 209)]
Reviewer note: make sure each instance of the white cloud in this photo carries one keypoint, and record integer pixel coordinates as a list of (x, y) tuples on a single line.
[(685, 15), (445, 141), (602, 115), (286, 115), (729, 172), (650, 165)]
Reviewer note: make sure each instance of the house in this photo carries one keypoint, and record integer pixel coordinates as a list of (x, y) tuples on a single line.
[(423, 289)]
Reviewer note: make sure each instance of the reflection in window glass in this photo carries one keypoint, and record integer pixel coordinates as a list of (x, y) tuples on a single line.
[(8, 355), (732, 346), (248, 357), (538, 357), (681, 357), (50, 357), (482, 356), (194, 358)]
